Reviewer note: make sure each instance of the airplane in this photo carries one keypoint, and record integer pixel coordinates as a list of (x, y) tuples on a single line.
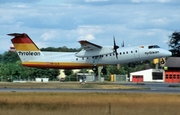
[(91, 55)]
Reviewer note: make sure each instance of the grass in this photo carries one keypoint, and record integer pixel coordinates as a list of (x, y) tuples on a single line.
[(13, 103), (67, 85)]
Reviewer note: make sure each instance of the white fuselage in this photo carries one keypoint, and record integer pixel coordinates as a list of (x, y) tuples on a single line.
[(125, 55)]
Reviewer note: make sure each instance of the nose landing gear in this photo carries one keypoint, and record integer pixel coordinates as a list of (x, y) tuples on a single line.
[(94, 68)]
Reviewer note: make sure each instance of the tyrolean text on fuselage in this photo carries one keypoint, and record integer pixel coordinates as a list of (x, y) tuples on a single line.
[(151, 52), (28, 53)]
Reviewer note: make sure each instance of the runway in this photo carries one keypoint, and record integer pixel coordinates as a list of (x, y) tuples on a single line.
[(147, 88), (90, 90)]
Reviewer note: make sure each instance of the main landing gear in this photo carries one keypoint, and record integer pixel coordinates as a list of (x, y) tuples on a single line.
[(96, 58), (103, 70)]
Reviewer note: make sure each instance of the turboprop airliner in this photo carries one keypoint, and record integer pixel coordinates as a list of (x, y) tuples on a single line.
[(91, 55)]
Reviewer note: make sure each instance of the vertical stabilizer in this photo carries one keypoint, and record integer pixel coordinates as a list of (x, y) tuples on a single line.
[(25, 47)]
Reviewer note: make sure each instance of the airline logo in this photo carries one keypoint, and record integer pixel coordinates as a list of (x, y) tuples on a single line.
[(151, 52), (28, 53)]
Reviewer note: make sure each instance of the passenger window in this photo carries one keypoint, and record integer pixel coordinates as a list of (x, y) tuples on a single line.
[(150, 47)]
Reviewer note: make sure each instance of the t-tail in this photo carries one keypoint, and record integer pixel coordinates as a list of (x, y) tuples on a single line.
[(25, 47)]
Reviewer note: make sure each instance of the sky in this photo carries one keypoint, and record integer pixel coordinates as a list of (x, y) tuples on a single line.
[(58, 23)]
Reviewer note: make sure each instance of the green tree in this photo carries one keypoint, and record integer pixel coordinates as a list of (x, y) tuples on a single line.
[(44, 73), (83, 71), (49, 49), (1, 58), (174, 44), (53, 73), (68, 72), (7, 70), (27, 73), (112, 69), (61, 49), (10, 57)]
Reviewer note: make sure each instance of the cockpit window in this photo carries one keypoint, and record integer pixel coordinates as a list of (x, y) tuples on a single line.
[(153, 46)]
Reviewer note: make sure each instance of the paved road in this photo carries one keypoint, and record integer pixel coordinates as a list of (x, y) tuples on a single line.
[(150, 88)]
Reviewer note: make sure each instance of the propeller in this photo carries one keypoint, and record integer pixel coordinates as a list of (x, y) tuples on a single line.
[(115, 47)]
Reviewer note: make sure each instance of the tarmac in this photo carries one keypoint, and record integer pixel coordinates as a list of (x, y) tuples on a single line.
[(173, 88)]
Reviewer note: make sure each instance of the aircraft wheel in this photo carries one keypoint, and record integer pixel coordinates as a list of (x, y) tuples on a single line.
[(94, 68), (162, 61), (104, 71)]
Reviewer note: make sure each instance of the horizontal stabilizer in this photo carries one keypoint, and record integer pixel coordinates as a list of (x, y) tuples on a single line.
[(16, 34)]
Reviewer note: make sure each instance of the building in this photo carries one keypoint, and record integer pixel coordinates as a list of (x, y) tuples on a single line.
[(42, 79), (149, 75), (172, 70), (87, 77), (12, 49), (118, 78)]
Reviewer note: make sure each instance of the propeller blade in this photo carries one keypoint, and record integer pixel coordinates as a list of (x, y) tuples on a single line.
[(116, 55), (115, 47)]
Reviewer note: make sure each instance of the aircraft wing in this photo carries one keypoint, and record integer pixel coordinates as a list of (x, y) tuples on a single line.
[(91, 49), (88, 46)]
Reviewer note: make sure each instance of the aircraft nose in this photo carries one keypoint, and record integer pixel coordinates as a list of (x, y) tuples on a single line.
[(168, 53)]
